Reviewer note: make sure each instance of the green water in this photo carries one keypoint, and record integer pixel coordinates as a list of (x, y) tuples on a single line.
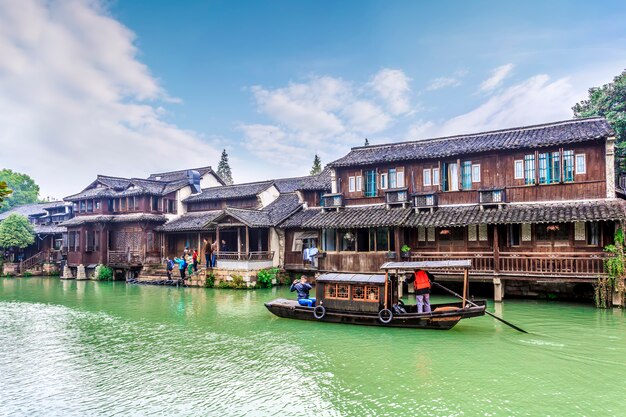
[(88, 348)]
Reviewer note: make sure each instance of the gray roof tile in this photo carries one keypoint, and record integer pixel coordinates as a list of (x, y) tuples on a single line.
[(230, 191)]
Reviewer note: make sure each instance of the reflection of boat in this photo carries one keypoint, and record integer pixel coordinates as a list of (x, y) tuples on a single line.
[(368, 299)]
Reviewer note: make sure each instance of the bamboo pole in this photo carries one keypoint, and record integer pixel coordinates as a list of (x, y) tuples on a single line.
[(386, 283)]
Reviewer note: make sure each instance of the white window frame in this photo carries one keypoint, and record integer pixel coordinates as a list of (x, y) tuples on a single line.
[(577, 169), (359, 183), (384, 181), (435, 176), (519, 163), (400, 178), (351, 184), (427, 177), (476, 170)]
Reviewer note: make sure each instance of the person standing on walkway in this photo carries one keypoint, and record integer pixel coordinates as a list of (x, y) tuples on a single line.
[(214, 247), (194, 257), (207, 253), (182, 267)]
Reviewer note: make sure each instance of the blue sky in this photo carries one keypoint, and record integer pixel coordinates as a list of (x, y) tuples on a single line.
[(130, 87)]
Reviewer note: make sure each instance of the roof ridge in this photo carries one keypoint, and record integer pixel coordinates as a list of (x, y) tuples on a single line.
[(180, 170), (486, 133), (221, 187)]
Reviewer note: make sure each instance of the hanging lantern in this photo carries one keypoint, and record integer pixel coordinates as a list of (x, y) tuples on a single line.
[(444, 232), (553, 227)]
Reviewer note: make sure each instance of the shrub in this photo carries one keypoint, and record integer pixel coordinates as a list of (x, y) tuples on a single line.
[(265, 277), (27, 274), (104, 273), (210, 280)]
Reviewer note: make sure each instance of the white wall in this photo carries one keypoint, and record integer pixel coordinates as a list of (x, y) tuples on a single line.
[(269, 195), (275, 246), (180, 196), (208, 180)]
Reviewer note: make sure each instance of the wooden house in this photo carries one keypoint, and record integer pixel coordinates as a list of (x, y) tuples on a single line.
[(535, 202), (115, 218)]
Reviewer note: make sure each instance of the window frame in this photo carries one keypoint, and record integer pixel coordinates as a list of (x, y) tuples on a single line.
[(352, 184), (384, 181), (359, 183), (427, 177), (435, 177), (474, 167), (392, 178), (576, 165), (400, 181), (518, 174)]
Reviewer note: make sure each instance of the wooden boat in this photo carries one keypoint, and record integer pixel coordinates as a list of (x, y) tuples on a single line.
[(369, 299)]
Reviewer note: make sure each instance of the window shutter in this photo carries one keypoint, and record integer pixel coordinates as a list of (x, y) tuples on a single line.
[(431, 234), (421, 234), (526, 236), (482, 233), (471, 233), (579, 231)]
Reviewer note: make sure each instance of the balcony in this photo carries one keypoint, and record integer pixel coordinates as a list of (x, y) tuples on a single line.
[(492, 197), (397, 196), (425, 201), (332, 200)]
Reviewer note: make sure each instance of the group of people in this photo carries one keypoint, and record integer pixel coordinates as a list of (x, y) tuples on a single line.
[(188, 262), (210, 252)]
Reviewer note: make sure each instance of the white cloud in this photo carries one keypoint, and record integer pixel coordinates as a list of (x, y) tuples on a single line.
[(75, 100), (497, 77), (442, 82), (392, 85), (366, 117)]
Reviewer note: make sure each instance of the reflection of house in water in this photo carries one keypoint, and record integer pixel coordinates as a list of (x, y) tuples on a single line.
[(48, 246)]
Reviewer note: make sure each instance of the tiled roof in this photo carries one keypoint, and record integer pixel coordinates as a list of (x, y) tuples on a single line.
[(614, 209), (27, 210), (319, 182), (359, 217), (49, 229), (298, 219), (182, 174), (272, 215), (230, 191), (117, 218), (550, 134), (451, 216), (190, 221)]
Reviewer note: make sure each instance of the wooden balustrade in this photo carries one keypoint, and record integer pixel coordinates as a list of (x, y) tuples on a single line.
[(587, 264), (246, 256), (122, 257)]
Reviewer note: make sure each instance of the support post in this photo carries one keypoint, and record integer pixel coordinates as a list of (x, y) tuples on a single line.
[(498, 290), (239, 243), (496, 250), (247, 242), (465, 279)]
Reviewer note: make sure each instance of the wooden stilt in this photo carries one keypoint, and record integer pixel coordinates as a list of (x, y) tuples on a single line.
[(465, 279)]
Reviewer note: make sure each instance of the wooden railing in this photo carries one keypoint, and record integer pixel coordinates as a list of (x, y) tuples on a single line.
[(396, 196), (584, 265), (246, 256), (36, 259), (425, 200), (123, 257)]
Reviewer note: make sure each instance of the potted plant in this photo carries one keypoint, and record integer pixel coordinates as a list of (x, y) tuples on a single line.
[(391, 255), (406, 251)]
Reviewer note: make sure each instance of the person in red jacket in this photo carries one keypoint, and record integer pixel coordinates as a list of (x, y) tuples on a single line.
[(422, 290)]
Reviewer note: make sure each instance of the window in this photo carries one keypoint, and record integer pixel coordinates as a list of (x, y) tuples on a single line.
[(340, 291), (476, 173), (515, 232), (122, 204), (371, 293), (450, 179), (89, 206), (358, 292), (83, 205), (435, 176), (97, 203), (593, 233), (544, 168), (155, 203), (451, 234), (568, 166), (529, 169), (347, 240), (75, 207), (382, 239), (351, 184), (359, 183), (466, 175), (383, 181), (552, 232), (427, 179), (400, 178), (362, 240), (328, 240), (393, 178), (581, 166), (370, 183), (519, 170)]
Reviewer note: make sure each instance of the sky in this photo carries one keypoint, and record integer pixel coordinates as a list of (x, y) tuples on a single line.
[(128, 88)]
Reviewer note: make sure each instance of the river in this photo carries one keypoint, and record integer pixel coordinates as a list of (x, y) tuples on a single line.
[(89, 348)]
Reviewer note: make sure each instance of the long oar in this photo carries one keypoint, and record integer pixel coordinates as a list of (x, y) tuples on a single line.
[(476, 305)]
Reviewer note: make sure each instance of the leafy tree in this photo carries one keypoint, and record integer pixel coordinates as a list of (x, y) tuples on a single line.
[(317, 165), (5, 191), (25, 191), (367, 142), (223, 169), (608, 101), (16, 232)]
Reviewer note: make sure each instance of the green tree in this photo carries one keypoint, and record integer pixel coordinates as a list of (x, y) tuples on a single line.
[(608, 101), (25, 191), (367, 142), (223, 169), (317, 165), (5, 191), (16, 232)]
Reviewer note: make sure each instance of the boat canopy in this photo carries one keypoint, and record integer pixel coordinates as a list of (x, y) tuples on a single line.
[(412, 266), (351, 278)]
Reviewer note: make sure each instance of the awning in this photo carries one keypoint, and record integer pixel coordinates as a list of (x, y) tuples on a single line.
[(411, 266)]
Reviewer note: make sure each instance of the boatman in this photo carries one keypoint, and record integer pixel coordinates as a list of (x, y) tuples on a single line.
[(422, 290), (302, 288)]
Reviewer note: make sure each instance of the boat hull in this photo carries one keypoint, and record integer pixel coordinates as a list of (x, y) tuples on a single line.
[(439, 320)]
